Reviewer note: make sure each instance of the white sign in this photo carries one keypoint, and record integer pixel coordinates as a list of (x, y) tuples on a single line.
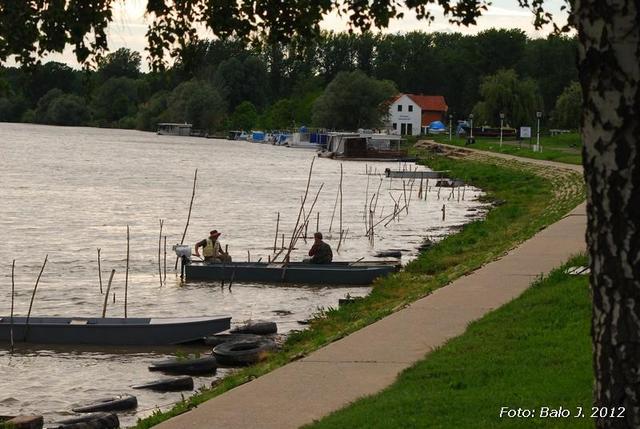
[(525, 132)]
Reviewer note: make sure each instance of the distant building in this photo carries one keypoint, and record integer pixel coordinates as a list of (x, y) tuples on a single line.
[(410, 113)]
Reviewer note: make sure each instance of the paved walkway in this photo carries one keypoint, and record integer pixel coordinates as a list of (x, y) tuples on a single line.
[(369, 360)]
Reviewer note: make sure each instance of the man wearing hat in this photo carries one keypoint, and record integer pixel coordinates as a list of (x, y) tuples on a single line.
[(211, 248)]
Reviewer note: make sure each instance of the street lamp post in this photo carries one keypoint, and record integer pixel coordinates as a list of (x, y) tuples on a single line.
[(501, 125), (450, 125), (538, 149), (471, 126)]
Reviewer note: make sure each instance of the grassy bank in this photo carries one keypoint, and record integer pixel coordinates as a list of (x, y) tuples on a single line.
[(565, 148), (531, 353), (527, 199)]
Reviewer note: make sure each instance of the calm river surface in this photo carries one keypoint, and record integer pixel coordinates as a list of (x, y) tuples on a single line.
[(65, 192)]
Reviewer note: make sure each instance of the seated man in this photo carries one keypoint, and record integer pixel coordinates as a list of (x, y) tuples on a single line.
[(320, 252), (211, 249)]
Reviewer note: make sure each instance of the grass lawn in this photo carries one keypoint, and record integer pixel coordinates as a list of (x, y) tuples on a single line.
[(565, 148), (530, 197), (533, 352)]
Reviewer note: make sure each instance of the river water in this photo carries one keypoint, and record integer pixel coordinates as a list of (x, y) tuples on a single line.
[(65, 192)]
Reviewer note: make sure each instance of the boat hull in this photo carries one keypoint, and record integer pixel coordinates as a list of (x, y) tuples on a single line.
[(111, 331), (329, 274)]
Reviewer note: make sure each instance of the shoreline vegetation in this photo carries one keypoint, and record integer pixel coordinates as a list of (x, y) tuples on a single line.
[(526, 198)]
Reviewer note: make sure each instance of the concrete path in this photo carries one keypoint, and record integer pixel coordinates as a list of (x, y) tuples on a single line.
[(369, 360)]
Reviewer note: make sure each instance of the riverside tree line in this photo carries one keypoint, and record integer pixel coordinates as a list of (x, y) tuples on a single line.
[(337, 81)]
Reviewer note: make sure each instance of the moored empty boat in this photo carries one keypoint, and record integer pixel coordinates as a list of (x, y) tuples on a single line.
[(111, 331), (413, 174)]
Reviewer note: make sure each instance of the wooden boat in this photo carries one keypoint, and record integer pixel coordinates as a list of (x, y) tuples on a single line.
[(338, 273), (112, 330), (411, 174)]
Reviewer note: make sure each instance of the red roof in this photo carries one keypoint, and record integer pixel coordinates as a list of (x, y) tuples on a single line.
[(429, 102)]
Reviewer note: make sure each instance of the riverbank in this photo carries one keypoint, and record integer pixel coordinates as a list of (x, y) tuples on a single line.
[(527, 198), (533, 352), (565, 148)]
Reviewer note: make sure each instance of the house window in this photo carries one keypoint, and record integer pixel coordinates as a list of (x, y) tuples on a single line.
[(399, 107), (410, 108), (395, 126)]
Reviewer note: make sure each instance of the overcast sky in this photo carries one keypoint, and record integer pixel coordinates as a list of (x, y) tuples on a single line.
[(129, 24)]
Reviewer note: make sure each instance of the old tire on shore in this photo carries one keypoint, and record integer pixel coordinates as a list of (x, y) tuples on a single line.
[(114, 403), (243, 352), (258, 327), (90, 421), (204, 365), (171, 384)]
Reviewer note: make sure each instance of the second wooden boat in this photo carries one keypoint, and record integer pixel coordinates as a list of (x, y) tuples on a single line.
[(111, 330)]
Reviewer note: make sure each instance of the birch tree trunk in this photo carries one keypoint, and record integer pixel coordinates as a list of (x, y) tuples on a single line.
[(609, 65)]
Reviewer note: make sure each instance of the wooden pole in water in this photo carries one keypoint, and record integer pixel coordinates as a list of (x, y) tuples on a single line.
[(282, 242), (404, 191), (317, 221), (160, 253), (164, 279), (443, 212), (304, 199), (335, 205), (193, 194), (106, 295), (275, 240), (99, 271), (33, 295), (13, 288), (248, 256), (305, 220), (306, 227), (126, 276), (426, 189), (340, 188), (377, 195)]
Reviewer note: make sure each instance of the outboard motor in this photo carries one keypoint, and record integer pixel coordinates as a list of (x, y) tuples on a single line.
[(183, 251)]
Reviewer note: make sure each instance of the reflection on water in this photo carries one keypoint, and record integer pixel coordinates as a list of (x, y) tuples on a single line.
[(68, 191)]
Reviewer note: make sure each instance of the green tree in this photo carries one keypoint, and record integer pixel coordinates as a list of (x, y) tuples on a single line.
[(245, 116), (115, 99), (196, 102), (243, 80), (39, 79), (67, 109), (43, 105), (504, 92), (122, 63), (568, 107), (151, 111), (551, 63), (353, 100)]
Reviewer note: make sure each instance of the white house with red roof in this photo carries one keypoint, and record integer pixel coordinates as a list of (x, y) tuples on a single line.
[(410, 113)]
